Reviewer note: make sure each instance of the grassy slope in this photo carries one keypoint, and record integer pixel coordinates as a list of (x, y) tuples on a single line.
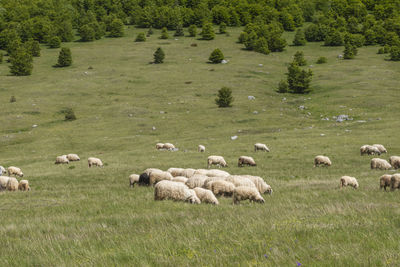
[(90, 216)]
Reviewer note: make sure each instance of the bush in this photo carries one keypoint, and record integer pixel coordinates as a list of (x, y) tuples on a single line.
[(192, 30), (222, 28), (216, 56), (179, 30), (357, 40), (395, 53), (350, 51), (322, 60), (159, 56), (299, 58), (298, 80), (207, 32), (370, 37), (261, 46), (224, 98), (116, 28), (13, 99), (150, 32), (140, 37), (334, 38), (1, 57), (21, 62), (243, 37), (54, 42), (86, 33), (33, 47), (164, 33), (299, 38), (381, 50), (386, 49), (283, 87), (64, 58), (69, 114)]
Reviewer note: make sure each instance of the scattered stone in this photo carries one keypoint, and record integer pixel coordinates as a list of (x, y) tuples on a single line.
[(325, 119), (154, 128), (347, 130), (342, 118), (162, 112), (260, 65), (322, 134), (234, 137), (250, 97), (284, 99), (361, 121), (302, 107), (340, 56), (34, 126), (130, 115), (224, 61), (255, 112)]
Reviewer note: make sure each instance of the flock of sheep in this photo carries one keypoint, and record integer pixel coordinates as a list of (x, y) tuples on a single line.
[(205, 185)]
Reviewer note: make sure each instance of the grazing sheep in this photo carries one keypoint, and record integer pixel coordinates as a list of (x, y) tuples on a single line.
[(2, 170), (384, 181), (369, 150), (133, 179), (15, 171), (169, 146), (12, 184), (216, 160), (201, 171), (395, 181), (180, 179), (245, 192), (3, 182), (381, 148), (206, 196), (149, 170), (262, 147), (157, 176), (208, 182), (73, 157), (201, 148), (322, 160), (347, 180), (381, 164), (62, 160), (24, 185), (238, 180), (261, 185), (188, 172), (222, 188), (175, 191), (176, 171), (159, 146), (395, 161), (95, 162), (196, 181), (214, 173), (245, 160)]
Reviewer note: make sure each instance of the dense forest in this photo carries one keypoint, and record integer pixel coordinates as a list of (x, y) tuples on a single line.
[(335, 22)]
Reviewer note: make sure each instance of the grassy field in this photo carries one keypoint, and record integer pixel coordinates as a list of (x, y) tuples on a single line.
[(80, 216)]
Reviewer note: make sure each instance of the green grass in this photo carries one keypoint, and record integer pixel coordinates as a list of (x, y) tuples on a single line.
[(81, 216)]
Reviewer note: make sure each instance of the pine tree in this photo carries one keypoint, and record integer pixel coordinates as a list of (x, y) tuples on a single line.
[(192, 30), (298, 80), (395, 53), (54, 42), (350, 51), (224, 98), (179, 30), (140, 37), (159, 56), (216, 56), (21, 62), (222, 28), (207, 32), (261, 46), (116, 28), (1, 57), (299, 38), (150, 32), (86, 33), (164, 33), (33, 47), (64, 58), (299, 58)]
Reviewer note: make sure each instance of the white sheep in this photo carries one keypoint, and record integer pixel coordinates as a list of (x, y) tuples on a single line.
[(395, 182), (245, 160), (15, 171), (62, 160), (133, 179), (169, 146), (159, 146), (12, 184), (238, 180), (322, 160), (214, 173), (175, 191), (180, 179), (206, 196), (262, 147), (188, 172), (245, 192), (384, 181), (196, 180), (201, 148), (348, 181), (208, 182), (261, 185), (149, 170), (24, 185), (2, 170), (94, 162), (3, 182), (176, 171), (380, 147), (201, 171), (395, 161), (369, 150), (73, 157), (157, 176), (222, 187), (381, 164), (216, 160)]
